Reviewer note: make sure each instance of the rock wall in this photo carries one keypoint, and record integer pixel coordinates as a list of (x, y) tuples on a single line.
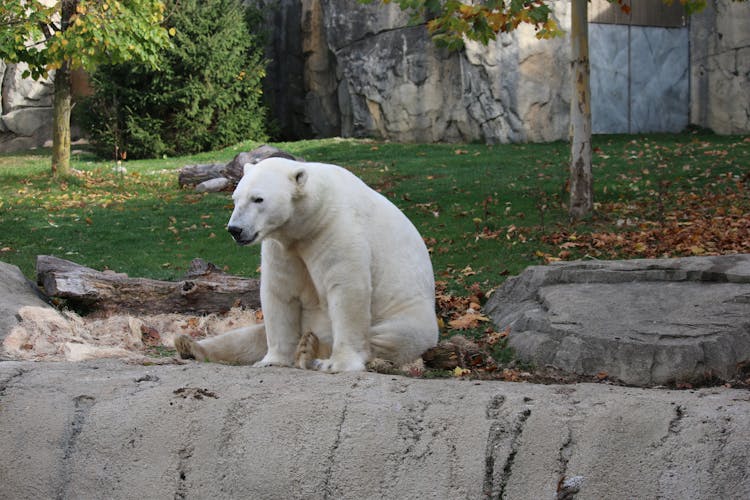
[(720, 67), (340, 68), (25, 109), (368, 72)]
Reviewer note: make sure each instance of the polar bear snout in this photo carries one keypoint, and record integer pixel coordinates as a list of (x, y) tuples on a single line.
[(239, 237)]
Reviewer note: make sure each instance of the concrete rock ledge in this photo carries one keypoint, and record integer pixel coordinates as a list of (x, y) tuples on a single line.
[(108, 429), (643, 321)]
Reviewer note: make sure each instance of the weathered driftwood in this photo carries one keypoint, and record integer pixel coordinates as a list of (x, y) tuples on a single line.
[(235, 168), (191, 175), (204, 289)]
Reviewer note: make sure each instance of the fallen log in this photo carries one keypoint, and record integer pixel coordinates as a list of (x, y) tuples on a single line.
[(191, 175), (204, 289), (235, 168)]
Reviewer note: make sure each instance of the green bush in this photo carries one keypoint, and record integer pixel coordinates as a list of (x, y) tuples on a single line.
[(206, 94)]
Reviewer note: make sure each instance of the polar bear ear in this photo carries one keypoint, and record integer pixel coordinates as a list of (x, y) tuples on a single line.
[(246, 168), (299, 177)]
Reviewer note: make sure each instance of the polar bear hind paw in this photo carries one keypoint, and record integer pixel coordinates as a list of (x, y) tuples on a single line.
[(307, 351), (187, 348)]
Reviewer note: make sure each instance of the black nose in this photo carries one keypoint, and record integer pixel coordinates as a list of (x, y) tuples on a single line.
[(235, 231)]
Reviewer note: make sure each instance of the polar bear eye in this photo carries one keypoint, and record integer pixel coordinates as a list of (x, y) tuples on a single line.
[(256, 199)]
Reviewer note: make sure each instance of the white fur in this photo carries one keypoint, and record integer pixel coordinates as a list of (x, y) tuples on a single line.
[(338, 259)]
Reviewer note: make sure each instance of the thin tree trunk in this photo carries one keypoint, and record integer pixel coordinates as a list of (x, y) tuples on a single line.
[(62, 102), (581, 181), (61, 118)]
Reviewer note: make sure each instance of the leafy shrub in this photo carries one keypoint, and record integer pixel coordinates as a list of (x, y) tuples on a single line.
[(206, 95)]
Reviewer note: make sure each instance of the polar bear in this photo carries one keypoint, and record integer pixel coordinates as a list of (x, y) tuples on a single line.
[(340, 264)]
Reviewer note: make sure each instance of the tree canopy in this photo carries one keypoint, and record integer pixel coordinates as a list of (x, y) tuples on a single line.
[(36, 33), (206, 94), (68, 34)]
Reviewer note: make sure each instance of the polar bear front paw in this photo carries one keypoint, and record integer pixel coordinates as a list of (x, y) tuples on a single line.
[(332, 365), (272, 360)]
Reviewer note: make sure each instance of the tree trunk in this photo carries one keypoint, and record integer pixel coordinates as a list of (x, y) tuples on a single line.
[(581, 181), (62, 103), (61, 119), (204, 289)]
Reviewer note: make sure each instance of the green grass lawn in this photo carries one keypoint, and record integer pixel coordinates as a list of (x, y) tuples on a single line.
[(486, 212)]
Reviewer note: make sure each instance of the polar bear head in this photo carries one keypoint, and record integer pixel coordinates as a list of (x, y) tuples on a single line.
[(264, 200)]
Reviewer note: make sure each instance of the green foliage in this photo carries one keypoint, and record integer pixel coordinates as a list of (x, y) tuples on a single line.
[(21, 30), (206, 95), (453, 21), (80, 33)]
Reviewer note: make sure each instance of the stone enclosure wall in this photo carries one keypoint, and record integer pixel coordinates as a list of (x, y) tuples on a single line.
[(364, 72), (340, 68)]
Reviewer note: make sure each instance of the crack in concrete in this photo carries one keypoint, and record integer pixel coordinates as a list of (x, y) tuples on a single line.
[(493, 441), (327, 488), (411, 427), (516, 432), (234, 420), (567, 487), (496, 479), (674, 426), (82, 406), (4, 384), (563, 456), (721, 438), (416, 439), (184, 455)]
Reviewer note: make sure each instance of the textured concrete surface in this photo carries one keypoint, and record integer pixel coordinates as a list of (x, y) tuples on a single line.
[(108, 429), (643, 321)]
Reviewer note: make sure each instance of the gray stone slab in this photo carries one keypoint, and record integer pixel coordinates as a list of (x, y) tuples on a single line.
[(109, 429), (643, 322), (15, 292)]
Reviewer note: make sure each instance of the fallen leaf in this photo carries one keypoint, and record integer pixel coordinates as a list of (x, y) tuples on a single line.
[(150, 336), (467, 321)]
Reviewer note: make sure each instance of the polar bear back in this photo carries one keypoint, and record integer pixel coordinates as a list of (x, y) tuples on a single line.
[(400, 262)]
